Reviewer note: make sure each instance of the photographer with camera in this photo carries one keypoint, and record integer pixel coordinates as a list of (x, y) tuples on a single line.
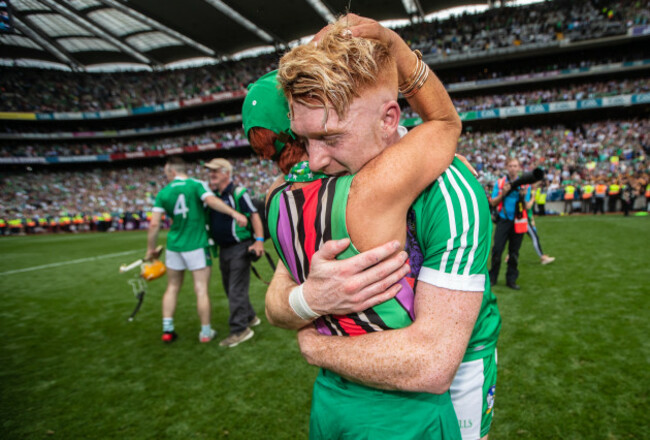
[(509, 197), (237, 247)]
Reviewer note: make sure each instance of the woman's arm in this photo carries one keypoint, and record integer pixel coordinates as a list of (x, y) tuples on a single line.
[(384, 189)]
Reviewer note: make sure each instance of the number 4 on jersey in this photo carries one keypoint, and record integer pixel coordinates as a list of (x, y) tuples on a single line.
[(180, 208)]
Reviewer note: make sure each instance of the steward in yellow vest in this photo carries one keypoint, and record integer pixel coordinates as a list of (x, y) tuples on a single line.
[(569, 192), (587, 197), (540, 200), (16, 225), (614, 192), (569, 195)]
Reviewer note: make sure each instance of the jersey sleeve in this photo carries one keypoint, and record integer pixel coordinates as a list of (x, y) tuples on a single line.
[(203, 190), (454, 230), (528, 194)]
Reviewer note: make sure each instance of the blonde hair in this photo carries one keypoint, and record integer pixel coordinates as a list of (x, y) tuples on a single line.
[(335, 71)]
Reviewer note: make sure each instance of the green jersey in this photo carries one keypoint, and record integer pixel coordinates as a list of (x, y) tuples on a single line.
[(300, 222), (454, 230), (182, 201)]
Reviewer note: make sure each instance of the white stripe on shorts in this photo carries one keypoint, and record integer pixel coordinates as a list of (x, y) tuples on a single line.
[(467, 396)]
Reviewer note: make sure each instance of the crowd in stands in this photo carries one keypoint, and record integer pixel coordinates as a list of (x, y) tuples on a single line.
[(157, 143), (140, 144), (31, 90), (37, 90), (537, 23), (513, 70), (580, 91), (170, 120), (589, 153), (612, 151), (94, 196)]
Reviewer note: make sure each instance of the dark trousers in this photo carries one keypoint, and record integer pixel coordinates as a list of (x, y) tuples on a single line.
[(627, 206), (541, 209), (235, 276), (505, 231), (612, 202), (599, 205), (568, 206)]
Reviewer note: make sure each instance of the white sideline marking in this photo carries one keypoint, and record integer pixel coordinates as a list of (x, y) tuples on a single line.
[(64, 263)]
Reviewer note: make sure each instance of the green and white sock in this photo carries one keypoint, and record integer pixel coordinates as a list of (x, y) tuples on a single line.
[(168, 324)]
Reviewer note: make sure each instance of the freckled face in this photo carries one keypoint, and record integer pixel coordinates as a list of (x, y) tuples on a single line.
[(342, 146)]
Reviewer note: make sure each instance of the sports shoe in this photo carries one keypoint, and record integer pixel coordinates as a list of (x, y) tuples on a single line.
[(255, 322), (169, 337), (547, 260), (207, 338), (237, 338)]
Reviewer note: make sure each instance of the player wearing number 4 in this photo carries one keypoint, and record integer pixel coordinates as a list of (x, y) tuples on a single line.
[(187, 242)]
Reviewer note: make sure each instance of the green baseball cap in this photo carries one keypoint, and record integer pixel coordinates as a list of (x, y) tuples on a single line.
[(266, 106)]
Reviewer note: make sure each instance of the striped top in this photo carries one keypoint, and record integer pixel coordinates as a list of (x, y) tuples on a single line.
[(454, 230), (302, 220)]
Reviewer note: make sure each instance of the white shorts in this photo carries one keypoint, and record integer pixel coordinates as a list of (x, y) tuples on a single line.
[(472, 394), (192, 260)]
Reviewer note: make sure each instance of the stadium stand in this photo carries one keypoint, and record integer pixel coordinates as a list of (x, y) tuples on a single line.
[(27, 90), (95, 142), (539, 23)]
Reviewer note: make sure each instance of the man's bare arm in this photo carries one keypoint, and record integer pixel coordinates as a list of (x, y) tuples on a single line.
[(345, 286), (152, 234), (384, 189), (276, 305), (423, 357), (219, 205)]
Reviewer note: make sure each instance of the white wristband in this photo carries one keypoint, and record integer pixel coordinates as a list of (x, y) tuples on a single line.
[(300, 306)]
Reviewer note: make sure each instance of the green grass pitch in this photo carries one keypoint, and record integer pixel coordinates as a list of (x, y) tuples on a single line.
[(574, 351)]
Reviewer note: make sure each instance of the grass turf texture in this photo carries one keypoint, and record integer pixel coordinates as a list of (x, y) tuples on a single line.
[(573, 352)]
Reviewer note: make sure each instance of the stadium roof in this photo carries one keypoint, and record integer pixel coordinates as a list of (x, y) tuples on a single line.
[(155, 33)]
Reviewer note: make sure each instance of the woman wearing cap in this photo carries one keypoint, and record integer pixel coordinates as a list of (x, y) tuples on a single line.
[(306, 209), (265, 115)]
